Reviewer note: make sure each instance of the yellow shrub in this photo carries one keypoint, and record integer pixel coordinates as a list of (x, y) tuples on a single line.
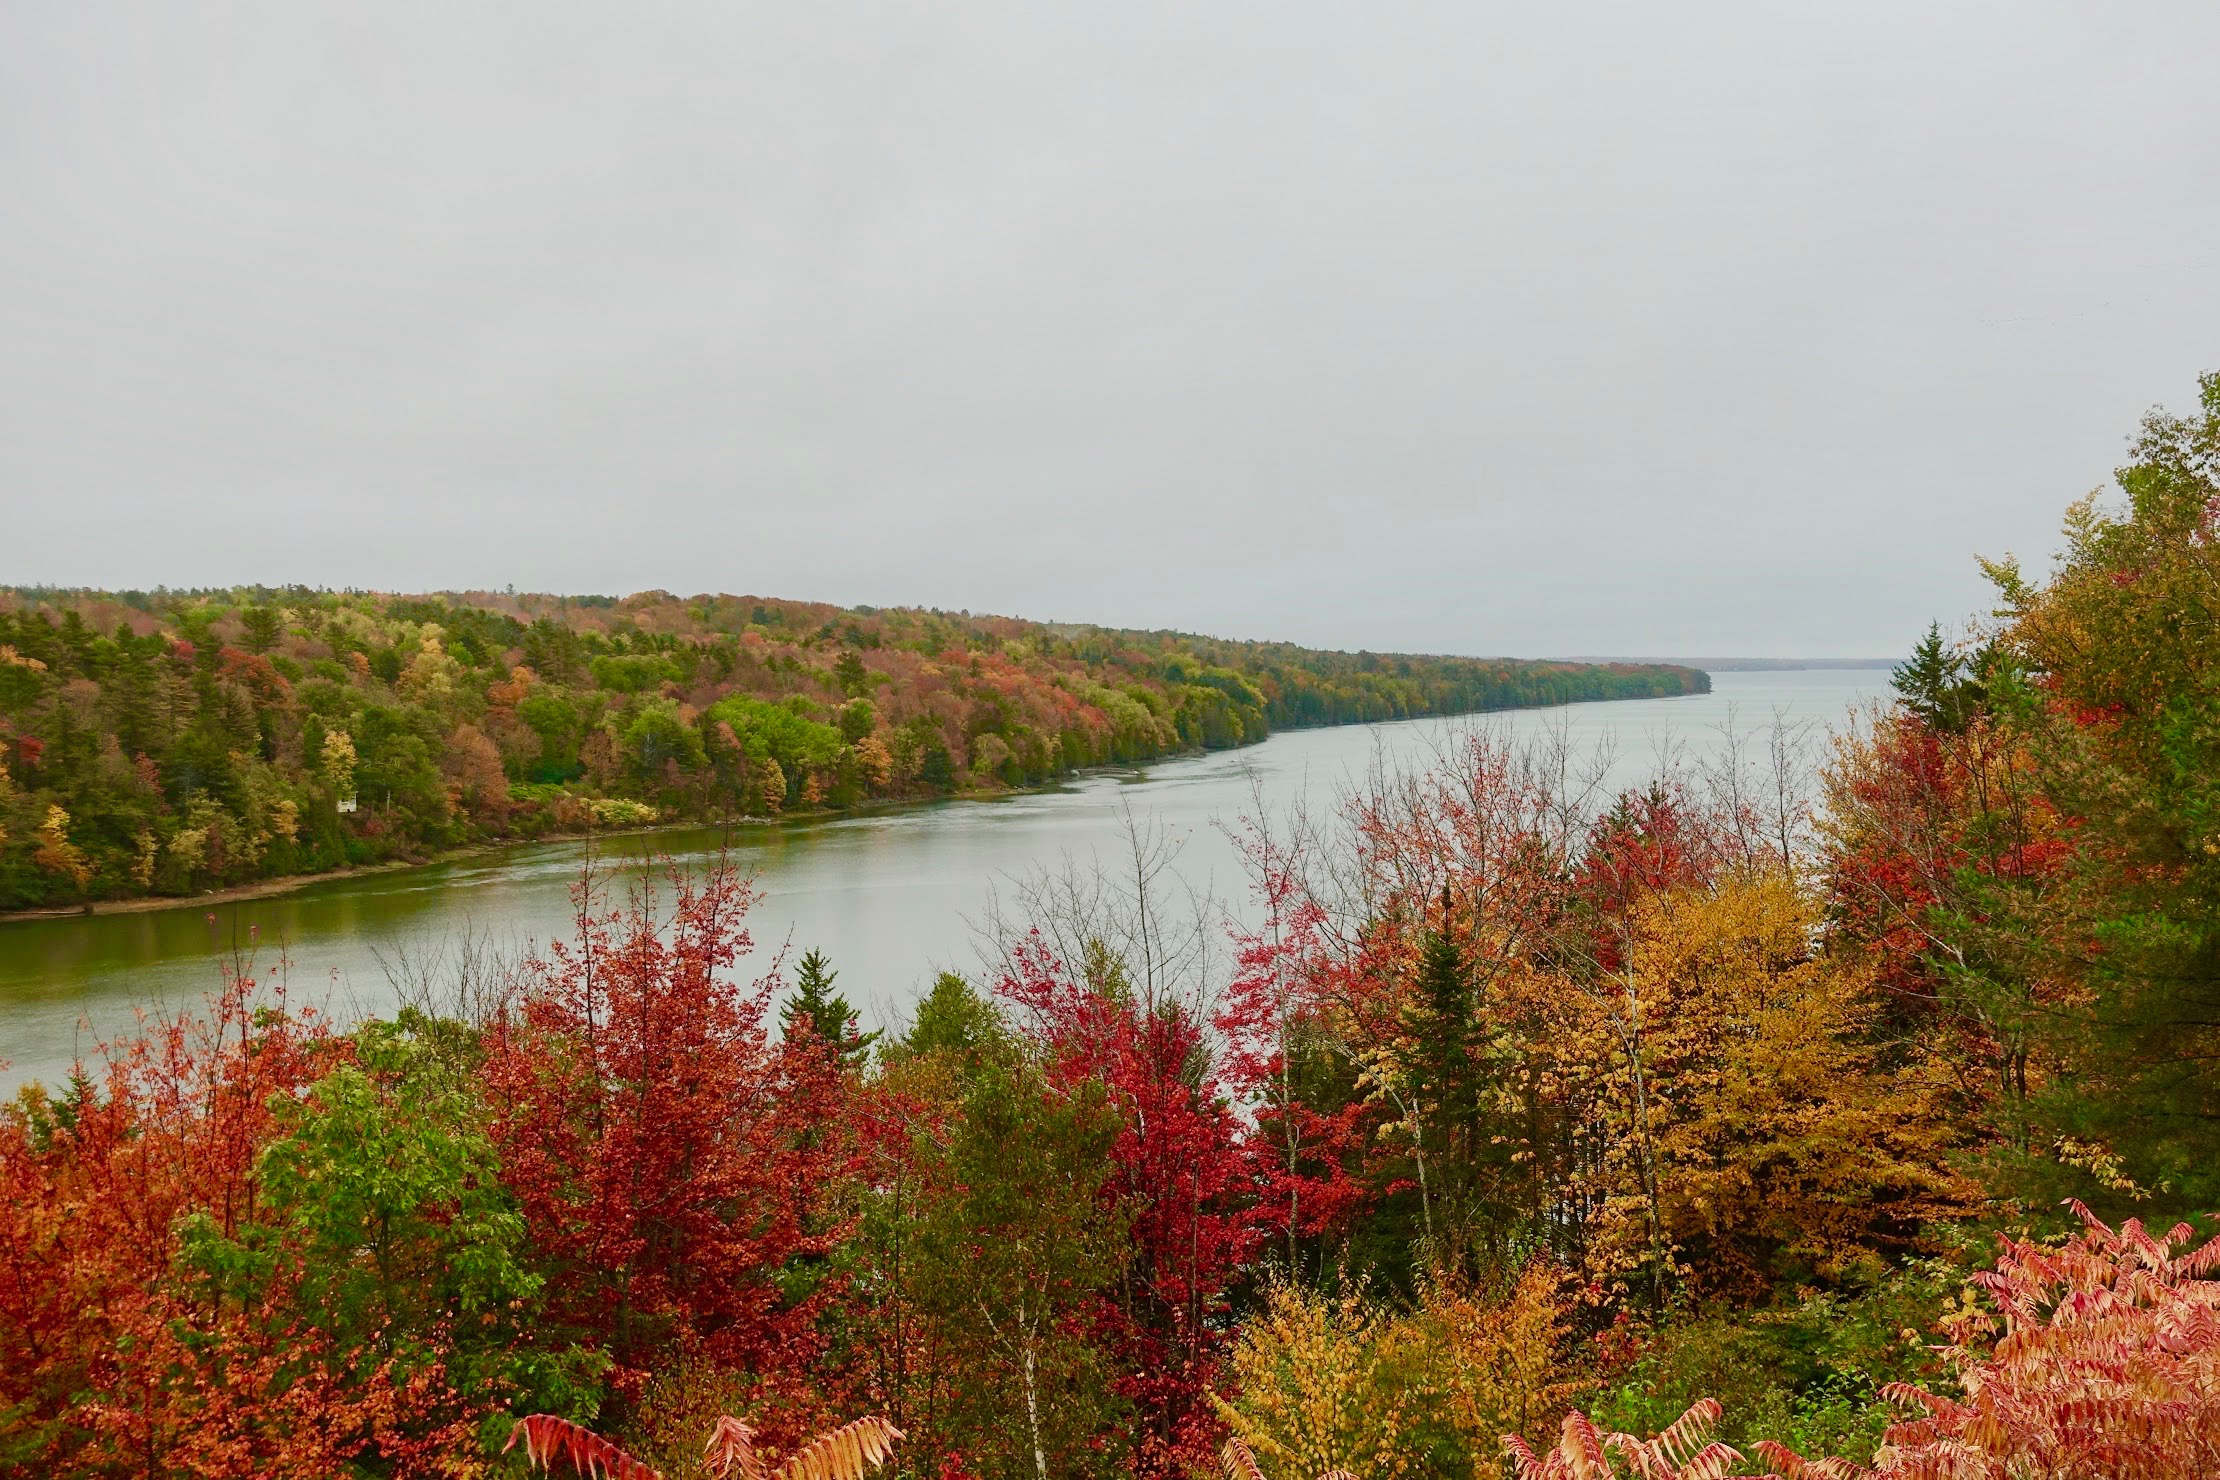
[(1319, 1388)]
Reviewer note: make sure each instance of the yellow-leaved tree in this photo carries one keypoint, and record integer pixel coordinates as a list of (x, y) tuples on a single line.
[(1751, 1124), (57, 854)]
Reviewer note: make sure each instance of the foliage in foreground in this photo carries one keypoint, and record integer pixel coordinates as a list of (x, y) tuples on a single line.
[(2101, 1358)]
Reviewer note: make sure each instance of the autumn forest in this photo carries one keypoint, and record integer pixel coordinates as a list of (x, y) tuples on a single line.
[(1836, 1115), (173, 743)]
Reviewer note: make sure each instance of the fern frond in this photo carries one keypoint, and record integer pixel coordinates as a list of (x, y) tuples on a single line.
[(1792, 1466), (849, 1452), (1686, 1434), (548, 1438), (1715, 1461), (1580, 1445), (731, 1448), (1910, 1395), (1525, 1463), (1239, 1461), (2198, 1263), (1647, 1456)]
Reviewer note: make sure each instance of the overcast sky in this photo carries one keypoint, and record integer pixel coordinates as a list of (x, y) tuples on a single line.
[(1533, 329)]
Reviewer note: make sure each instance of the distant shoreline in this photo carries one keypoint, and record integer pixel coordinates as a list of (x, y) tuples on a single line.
[(1749, 665)]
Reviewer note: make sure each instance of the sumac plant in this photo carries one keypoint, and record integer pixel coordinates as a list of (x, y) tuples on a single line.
[(2102, 1360), (849, 1452)]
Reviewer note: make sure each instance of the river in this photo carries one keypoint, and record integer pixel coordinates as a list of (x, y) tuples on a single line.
[(888, 896)]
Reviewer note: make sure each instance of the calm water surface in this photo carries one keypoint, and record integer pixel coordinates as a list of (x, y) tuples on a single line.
[(886, 896)]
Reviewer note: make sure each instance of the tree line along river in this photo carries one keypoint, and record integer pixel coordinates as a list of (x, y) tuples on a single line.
[(891, 896)]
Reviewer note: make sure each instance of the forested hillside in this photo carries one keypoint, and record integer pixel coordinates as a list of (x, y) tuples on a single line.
[(176, 742)]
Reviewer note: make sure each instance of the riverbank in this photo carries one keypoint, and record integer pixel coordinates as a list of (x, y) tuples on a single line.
[(259, 889), (290, 883)]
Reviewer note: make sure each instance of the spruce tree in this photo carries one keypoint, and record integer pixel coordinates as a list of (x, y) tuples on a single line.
[(1937, 685), (1470, 1129), (1446, 1043), (1447, 1092), (263, 627), (823, 1010)]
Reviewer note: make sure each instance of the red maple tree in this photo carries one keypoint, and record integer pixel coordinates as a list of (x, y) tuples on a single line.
[(671, 1160)]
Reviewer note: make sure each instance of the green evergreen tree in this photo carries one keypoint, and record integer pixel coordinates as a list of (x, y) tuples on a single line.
[(1458, 1073), (1445, 1043), (2124, 737), (264, 628), (953, 1018), (1443, 1080), (824, 1011), (1939, 686)]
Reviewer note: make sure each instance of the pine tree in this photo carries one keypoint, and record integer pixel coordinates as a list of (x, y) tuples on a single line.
[(1447, 1078), (1937, 685), (824, 1011), (1446, 1040), (1463, 1078), (264, 626)]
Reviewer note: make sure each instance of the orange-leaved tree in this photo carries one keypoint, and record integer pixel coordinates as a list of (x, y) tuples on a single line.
[(1776, 1139), (108, 1365)]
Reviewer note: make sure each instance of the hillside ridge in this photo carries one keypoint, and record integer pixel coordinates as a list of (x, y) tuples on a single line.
[(172, 742)]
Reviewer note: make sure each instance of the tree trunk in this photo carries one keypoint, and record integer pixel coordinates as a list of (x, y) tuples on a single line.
[(1033, 1413)]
